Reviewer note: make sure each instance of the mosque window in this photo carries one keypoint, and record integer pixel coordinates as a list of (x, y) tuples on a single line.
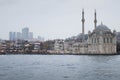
[(107, 40), (104, 40), (98, 40), (110, 40), (92, 40), (95, 40)]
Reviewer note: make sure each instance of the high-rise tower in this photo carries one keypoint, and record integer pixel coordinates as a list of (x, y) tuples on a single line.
[(25, 33)]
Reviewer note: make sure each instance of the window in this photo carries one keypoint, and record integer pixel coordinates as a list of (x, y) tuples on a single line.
[(107, 40), (92, 40), (104, 40), (95, 40), (98, 40), (110, 40)]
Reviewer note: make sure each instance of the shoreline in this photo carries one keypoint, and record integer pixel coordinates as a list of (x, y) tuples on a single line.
[(57, 54)]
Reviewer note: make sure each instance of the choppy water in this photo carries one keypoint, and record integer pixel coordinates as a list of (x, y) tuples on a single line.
[(59, 67)]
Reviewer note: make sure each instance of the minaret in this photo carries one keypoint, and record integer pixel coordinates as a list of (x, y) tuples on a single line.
[(83, 20), (83, 34), (95, 21)]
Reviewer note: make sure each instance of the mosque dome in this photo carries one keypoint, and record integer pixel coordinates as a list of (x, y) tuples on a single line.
[(102, 27)]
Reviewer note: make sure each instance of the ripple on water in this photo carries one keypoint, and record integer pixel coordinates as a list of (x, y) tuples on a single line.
[(6, 68), (57, 68), (3, 75), (65, 76)]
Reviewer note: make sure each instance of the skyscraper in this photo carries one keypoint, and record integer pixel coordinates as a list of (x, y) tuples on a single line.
[(30, 35), (19, 36), (14, 36), (25, 33), (10, 36)]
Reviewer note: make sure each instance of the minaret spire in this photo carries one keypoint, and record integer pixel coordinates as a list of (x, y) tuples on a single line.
[(95, 21), (83, 20)]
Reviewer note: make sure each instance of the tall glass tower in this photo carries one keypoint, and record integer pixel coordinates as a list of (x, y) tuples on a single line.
[(25, 33)]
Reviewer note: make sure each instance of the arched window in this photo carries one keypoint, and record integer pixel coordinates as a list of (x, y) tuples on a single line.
[(98, 40), (104, 40), (95, 40), (107, 40), (110, 40), (92, 40)]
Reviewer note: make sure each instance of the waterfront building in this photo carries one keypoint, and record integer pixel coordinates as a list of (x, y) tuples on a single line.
[(118, 37), (59, 46), (68, 46), (37, 46), (100, 41)]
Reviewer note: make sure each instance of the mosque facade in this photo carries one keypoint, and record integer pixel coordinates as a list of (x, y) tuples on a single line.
[(100, 41)]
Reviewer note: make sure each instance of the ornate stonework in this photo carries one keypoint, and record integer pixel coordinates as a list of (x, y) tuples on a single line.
[(102, 41)]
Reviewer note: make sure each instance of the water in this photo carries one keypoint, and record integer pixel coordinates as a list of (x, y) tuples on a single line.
[(59, 67)]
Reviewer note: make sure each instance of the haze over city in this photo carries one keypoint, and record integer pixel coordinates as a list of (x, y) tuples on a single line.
[(53, 19)]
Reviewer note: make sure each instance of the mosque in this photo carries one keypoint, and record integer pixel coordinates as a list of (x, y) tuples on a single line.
[(101, 40)]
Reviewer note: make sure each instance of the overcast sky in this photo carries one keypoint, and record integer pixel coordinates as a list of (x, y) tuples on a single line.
[(53, 19)]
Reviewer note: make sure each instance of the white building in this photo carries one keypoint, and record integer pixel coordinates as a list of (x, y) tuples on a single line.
[(102, 41), (59, 46)]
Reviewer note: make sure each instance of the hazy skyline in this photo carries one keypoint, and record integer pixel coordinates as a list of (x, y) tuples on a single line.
[(53, 19)]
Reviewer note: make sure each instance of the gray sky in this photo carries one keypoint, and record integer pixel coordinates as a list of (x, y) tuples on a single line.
[(53, 19)]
